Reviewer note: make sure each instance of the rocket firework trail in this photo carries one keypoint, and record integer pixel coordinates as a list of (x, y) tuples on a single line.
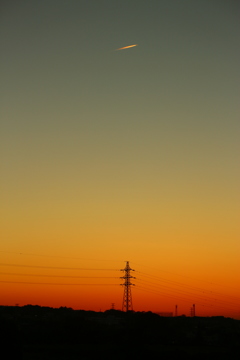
[(127, 47)]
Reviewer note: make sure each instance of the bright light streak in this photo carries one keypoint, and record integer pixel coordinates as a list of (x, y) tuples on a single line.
[(127, 47)]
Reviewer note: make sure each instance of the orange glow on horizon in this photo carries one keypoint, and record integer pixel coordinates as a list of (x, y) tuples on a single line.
[(57, 282)]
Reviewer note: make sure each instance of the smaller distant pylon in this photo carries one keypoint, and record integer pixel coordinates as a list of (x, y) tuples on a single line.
[(193, 311)]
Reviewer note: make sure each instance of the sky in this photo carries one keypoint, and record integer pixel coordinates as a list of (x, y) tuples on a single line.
[(110, 156)]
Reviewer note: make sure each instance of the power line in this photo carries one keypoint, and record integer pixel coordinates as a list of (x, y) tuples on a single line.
[(54, 256), (193, 295), (205, 293), (161, 293), (56, 267), (184, 276), (187, 286), (61, 276), (34, 283)]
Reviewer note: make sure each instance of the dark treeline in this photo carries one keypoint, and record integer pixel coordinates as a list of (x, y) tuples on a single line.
[(35, 332)]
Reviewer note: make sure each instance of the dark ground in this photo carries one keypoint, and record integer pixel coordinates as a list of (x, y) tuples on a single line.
[(34, 333)]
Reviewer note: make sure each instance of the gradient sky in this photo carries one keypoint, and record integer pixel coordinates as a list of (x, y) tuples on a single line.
[(108, 156)]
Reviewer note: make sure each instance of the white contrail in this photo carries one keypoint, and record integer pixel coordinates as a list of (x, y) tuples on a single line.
[(126, 47)]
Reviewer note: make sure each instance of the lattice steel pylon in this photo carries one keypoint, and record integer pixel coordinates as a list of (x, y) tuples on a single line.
[(127, 295)]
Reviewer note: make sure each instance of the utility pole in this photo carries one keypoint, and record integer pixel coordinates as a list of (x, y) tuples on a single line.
[(127, 296), (193, 311)]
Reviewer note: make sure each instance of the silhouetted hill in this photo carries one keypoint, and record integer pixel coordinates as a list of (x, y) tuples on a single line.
[(34, 332)]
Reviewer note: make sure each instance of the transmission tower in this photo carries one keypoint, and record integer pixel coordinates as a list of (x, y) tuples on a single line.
[(127, 296)]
